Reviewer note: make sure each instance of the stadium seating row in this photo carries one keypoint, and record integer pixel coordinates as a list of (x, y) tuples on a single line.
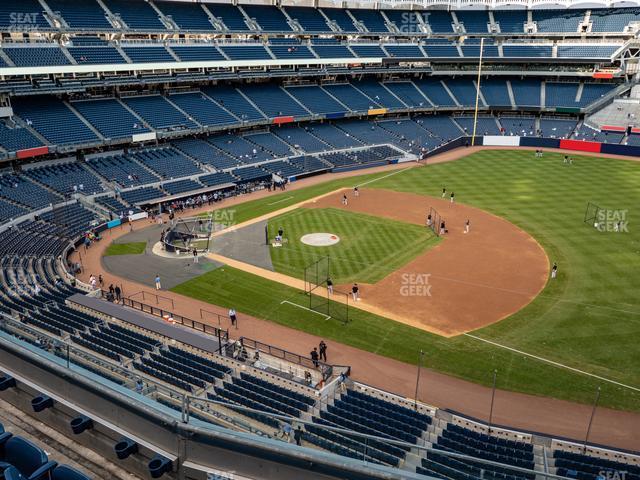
[(163, 16)]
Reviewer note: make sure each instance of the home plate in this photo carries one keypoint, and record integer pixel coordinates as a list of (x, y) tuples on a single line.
[(320, 239)]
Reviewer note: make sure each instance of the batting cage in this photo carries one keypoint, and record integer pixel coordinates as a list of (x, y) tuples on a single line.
[(189, 233), (591, 214), (436, 219), (323, 299)]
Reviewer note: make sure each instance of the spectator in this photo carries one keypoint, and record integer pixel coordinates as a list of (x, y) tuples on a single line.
[(323, 351), (298, 435), (315, 356)]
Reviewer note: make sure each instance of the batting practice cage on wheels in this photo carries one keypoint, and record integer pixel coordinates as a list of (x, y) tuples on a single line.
[(322, 299), (189, 233), (591, 214), (435, 220)]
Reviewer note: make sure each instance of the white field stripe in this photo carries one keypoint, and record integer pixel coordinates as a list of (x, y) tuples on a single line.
[(384, 176), (280, 201), (551, 362), (326, 317)]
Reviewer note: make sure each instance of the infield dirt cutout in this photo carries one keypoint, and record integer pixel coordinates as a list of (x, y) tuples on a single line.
[(467, 281)]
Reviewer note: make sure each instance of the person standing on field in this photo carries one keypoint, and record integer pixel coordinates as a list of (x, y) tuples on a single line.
[(323, 351)]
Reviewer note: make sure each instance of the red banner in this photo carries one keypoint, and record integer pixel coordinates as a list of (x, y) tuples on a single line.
[(613, 128), (580, 145), (282, 120), (32, 152)]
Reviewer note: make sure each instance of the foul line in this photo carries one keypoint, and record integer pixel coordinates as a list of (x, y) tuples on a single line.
[(551, 362), (326, 317), (384, 176), (281, 200)]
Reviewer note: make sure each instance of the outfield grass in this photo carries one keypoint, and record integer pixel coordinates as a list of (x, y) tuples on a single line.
[(132, 248), (589, 318), (369, 249)]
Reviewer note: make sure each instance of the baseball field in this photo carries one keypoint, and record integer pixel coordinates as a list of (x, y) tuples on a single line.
[(577, 333)]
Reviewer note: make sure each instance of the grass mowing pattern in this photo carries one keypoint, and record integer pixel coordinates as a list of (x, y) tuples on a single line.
[(369, 249), (589, 318), (132, 248)]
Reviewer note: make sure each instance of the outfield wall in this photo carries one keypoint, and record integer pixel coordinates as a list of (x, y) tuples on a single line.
[(539, 142)]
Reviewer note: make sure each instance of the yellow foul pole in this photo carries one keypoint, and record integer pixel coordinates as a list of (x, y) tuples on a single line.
[(475, 113)]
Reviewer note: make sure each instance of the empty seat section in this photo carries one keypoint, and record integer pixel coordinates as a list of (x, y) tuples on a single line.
[(25, 193), (526, 92), (81, 14), (310, 19), (333, 136), (245, 52), (464, 90), (316, 100), (484, 125), (404, 51), (158, 112), (67, 178), (301, 139), (495, 92), (204, 152), (46, 114), (371, 19), (518, 126), (141, 195), (557, 21), (188, 16), (527, 51), (122, 170), (408, 93), (379, 94), (137, 14), (439, 21), (146, 54), (332, 51), (232, 100), (441, 50), (270, 18), (273, 101), (36, 55), (17, 138), (474, 21), (269, 142), (340, 18), (167, 162), (368, 51), (110, 118), (291, 51), (557, 128), (243, 150), (30, 15), (510, 21), (351, 97), (200, 107), (194, 53), (95, 55), (230, 16), (613, 20)]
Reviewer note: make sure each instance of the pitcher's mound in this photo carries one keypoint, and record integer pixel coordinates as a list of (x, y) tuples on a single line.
[(320, 239)]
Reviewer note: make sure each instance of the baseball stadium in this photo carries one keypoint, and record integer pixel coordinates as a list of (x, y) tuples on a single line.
[(273, 240)]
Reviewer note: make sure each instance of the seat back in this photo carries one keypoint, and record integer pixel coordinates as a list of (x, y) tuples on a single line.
[(64, 472), (24, 455)]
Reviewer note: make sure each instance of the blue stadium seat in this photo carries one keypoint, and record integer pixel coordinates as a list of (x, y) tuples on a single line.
[(110, 118), (137, 14), (187, 16), (81, 14)]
